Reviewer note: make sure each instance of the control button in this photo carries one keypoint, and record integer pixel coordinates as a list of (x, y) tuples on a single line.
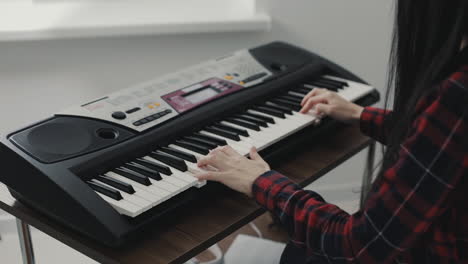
[(228, 77), (236, 74), (119, 115), (157, 104), (242, 83), (150, 106), (152, 117), (133, 110)]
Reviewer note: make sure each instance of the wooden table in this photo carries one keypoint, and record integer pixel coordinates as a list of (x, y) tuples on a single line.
[(206, 221)]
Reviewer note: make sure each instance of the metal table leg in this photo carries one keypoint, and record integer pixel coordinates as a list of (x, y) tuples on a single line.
[(24, 234), (367, 177)]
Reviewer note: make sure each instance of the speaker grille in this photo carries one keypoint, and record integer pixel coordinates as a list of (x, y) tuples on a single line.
[(66, 137), (60, 138)]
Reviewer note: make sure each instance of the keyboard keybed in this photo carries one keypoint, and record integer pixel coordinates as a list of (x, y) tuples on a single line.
[(139, 185)]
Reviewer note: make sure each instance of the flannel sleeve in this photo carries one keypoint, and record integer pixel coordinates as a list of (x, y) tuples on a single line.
[(402, 204), (376, 123)]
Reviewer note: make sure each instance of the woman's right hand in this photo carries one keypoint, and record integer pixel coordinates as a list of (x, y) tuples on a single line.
[(323, 102)]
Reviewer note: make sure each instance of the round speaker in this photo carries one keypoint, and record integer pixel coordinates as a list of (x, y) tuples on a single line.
[(59, 138)]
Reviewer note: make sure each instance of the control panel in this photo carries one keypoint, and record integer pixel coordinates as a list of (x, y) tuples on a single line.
[(151, 103), (200, 93)]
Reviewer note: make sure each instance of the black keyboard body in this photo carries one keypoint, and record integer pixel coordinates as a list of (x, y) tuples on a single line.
[(58, 189)]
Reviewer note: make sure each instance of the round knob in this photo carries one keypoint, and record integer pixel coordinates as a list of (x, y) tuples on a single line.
[(119, 115)]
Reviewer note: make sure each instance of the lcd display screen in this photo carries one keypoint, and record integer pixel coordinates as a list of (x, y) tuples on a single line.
[(201, 95)]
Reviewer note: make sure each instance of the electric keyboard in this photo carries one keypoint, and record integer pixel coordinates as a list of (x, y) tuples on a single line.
[(110, 167)]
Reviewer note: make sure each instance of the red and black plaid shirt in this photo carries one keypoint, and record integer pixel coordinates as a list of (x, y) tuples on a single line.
[(416, 213)]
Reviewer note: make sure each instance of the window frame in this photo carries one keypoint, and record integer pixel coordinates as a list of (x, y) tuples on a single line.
[(55, 19)]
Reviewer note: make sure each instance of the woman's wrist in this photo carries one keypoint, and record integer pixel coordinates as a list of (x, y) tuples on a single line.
[(356, 116)]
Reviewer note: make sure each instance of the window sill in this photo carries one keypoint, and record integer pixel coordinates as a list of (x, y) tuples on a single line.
[(32, 21)]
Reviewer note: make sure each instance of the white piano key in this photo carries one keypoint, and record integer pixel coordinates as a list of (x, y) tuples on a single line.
[(194, 169), (175, 172), (146, 192), (183, 186), (132, 198), (230, 142), (242, 145), (237, 145), (142, 203), (249, 143), (187, 176), (169, 187), (256, 137), (178, 178), (284, 125), (197, 155), (308, 117), (296, 119), (173, 181), (355, 90), (122, 206), (160, 189)]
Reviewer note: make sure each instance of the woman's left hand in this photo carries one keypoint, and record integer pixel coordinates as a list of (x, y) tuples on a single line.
[(232, 169)]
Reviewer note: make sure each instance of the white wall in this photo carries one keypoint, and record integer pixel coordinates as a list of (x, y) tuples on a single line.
[(38, 78)]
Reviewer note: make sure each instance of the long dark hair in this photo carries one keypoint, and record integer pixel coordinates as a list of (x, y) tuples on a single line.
[(427, 37)]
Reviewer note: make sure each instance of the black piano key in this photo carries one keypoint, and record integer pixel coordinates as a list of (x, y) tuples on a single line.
[(201, 142), (180, 154), (287, 101), (217, 141), (192, 146), (132, 176), (342, 83), (250, 119), (123, 186), (154, 167), (307, 87), (297, 97), (303, 90), (296, 94), (262, 117), (329, 82), (169, 160), (243, 123), (284, 109), (143, 171), (223, 133), (103, 189), (327, 86), (291, 98), (239, 131), (290, 104), (270, 111)]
